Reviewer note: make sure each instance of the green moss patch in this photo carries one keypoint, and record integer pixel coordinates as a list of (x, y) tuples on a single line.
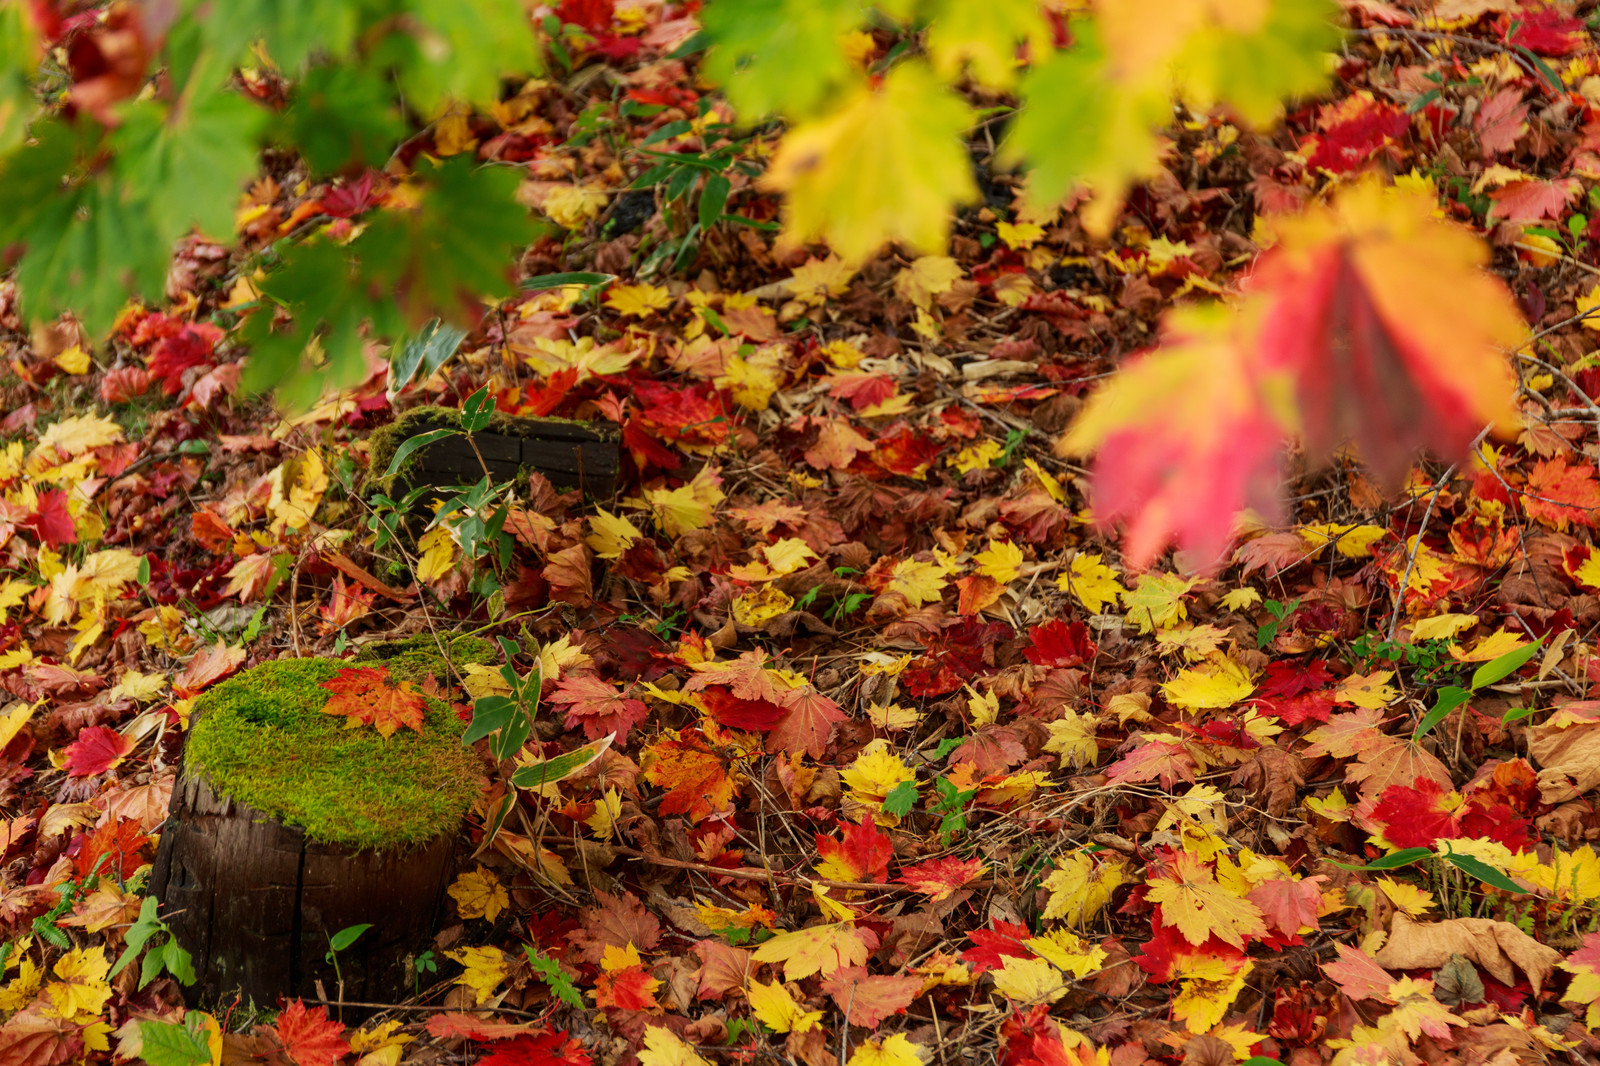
[(261, 739)]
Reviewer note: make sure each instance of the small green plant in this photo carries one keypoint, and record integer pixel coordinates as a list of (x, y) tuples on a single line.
[(341, 941), (424, 963), (1452, 696), (1280, 613), (165, 952), (551, 973), (951, 805)]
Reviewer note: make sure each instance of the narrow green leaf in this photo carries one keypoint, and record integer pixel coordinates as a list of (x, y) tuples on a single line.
[(1483, 872), (490, 714), (561, 767), (1390, 862), (424, 352), (411, 444), (1504, 666), (347, 936), (571, 277), (1448, 700), (477, 410), (713, 198)]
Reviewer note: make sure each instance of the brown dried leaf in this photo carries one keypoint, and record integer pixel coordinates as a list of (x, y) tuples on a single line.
[(1499, 947)]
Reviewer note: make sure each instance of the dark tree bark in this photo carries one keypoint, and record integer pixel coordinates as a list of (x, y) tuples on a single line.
[(255, 903), (572, 455)]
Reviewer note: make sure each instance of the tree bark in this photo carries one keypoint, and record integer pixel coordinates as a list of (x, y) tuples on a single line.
[(255, 903)]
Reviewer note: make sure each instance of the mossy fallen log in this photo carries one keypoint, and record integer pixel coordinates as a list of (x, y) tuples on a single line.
[(572, 455), (286, 827)]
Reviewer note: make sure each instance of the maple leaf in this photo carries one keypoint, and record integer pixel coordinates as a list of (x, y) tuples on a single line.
[(887, 164), (939, 878), (1060, 643), (623, 982), (662, 1047), (862, 854), (1154, 760), (80, 990), (598, 706), (1418, 816), (1357, 974), (544, 1047), (367, 695), (1533, 200), (210, 666), (695, 778), (483, 968), (775, 1008), (1093, 582), (308, 1037), (479, 894), (1558, 494), (894, 1050), (97, 749), (51, 519), (637, 300), (1221, 682), (807, 724), (1419, 327), (1191, 900), (822, 949), (1029, 980), (1185, 438), (1500, 120), (735, 713)]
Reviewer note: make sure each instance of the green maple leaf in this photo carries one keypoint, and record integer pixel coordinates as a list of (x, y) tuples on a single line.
[(758, 46)]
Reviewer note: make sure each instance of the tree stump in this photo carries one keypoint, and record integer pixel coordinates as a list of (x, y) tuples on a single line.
[(572, 455), (286, 828)]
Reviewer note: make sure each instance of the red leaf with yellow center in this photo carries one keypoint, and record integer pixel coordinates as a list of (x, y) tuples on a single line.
[(96, 750), (367, 695), (862, 855)]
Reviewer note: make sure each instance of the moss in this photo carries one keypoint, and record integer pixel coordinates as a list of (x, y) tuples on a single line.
[(416, 657), (261, 739)]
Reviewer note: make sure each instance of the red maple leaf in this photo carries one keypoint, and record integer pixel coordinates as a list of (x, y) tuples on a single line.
[(1500, 121), (598, 706), (97, 749), (862, 854), (1357, 128), (630, 988), (550, 1047), (938, 878), (308, 1037), (1060, 643), (51, 519), (1529, 201), (367, 695), (807, 725), (995, 946), (1165, 954), (1415, 817), (870, 998), (1558, 494), (190, 346), (735, 713), (121, 844), (1545, 30)]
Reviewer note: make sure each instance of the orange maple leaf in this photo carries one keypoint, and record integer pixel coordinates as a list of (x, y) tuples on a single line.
[(367, 695), (696, 780), (1559, 495)]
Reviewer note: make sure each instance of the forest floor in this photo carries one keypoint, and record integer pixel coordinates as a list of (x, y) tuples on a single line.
[(906, 766)]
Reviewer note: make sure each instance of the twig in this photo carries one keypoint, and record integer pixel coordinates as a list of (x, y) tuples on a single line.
[(1416, 545)]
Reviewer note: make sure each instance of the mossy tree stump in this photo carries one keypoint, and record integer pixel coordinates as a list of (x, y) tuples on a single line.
[(287, 827)]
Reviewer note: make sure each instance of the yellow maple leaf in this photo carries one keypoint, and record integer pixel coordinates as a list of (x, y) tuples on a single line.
[(815, 949), (481, 680), (760, 606), (1441, 626), (297, 485), (485, 968), (479, 894), (76, 435), (918, 582), (1240, 599), (1371, 691), (663, 1047), (1068, 952), (637, 300), (1019, 234), (378, 1045), (1195, 642), (80, 990), (1046, 480), (887, 164), (438, 554), (74, 360), (752, 379), (1219, 682), (1490, 647), (19, 992), (610, 535), (573, 205), (687, 507), (1199, 907), (1156, 601), (1081, 886), (876, 772), (1000, 561), (1072, 736), (895, 1050), (927, 276), (1210, 988), (775, 1008), (1093, 582), (1029, 980), (607, 809), (1416, 1011), (984, 38), (1408, 897), (788, 555), (892, 717), (978, 456), (1350, 541), (818, 279)]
